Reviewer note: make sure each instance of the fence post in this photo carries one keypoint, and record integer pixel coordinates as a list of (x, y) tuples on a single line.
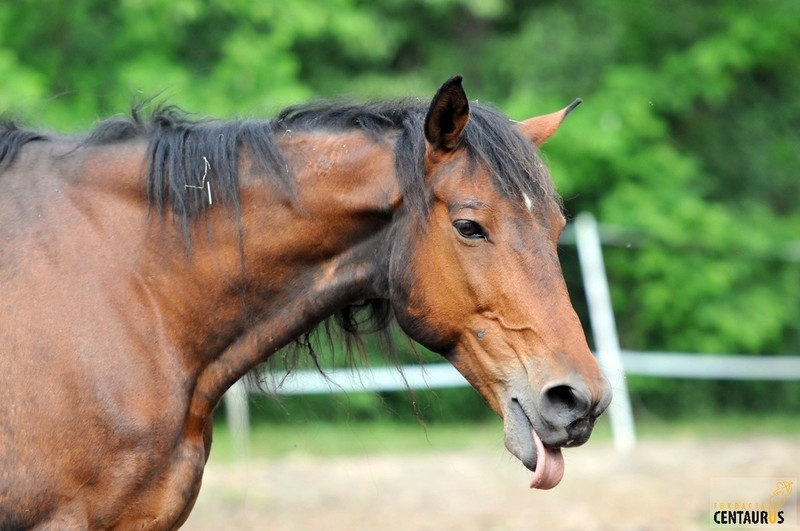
[(238, 418), (604, 329)]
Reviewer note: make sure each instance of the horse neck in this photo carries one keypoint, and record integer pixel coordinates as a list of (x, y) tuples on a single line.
[(251, 286)]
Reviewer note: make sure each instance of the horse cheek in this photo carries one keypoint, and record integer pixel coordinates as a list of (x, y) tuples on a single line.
[(422, 308)]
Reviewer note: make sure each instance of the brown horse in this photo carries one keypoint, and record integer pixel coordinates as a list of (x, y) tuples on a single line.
[(147, 267)]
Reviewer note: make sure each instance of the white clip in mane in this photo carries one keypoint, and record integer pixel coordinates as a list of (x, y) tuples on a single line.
[(203, 183)]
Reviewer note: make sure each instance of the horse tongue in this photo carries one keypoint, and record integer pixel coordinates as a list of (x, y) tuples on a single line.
[(549, 465)]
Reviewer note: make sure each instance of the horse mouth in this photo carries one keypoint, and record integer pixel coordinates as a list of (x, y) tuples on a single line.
[(549, 465), (546, 463)]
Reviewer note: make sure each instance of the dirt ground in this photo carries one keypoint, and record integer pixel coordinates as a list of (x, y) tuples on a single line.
[(663, 484)]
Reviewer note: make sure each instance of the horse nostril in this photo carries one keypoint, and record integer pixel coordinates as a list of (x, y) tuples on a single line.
[(564, 404), (568, 409), (563, 396)]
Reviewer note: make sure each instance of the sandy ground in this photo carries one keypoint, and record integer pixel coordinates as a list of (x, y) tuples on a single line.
[(663, 484)]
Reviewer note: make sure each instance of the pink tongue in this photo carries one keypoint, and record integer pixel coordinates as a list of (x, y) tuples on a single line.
[(549, 465)]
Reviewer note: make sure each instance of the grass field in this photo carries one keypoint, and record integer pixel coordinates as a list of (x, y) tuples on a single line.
[(394, 476), (327, 439)]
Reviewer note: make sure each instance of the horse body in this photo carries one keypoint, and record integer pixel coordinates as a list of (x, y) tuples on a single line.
[(118, 338), (179, 337)]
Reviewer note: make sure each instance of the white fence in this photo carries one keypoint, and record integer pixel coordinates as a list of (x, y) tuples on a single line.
[(616, 363)]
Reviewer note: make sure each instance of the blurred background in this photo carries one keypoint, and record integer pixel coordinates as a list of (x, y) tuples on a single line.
[(686, 149)]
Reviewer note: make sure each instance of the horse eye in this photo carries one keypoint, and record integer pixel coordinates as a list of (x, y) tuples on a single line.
[(469, 229)]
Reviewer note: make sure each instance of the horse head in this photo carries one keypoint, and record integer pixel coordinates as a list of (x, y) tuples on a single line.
[(477, 278)]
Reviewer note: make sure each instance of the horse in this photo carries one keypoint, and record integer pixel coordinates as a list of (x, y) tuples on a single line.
[(148, 265)]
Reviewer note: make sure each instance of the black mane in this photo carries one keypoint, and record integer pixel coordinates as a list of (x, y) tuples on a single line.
[(490, 138), (178, 145), (12, 140)]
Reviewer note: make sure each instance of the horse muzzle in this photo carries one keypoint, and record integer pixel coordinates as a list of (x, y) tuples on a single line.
[(562, 414)]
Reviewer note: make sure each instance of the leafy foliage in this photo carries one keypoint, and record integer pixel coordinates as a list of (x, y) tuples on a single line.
[(690, 133)]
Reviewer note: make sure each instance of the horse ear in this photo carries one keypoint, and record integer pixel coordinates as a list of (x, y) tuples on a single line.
[(447, 116), (539, 128)]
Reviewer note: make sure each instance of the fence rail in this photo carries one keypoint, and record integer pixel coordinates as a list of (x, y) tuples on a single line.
[(711, 367), (377, 379), (444, 375)]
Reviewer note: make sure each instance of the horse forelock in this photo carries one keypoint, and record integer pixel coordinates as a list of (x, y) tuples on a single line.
[(512, 160)]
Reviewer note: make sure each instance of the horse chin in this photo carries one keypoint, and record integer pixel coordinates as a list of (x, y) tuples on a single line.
[(519, 435)]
